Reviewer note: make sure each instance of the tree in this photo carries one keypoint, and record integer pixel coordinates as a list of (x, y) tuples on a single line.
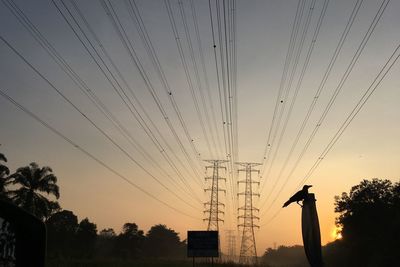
[(86, 236), (34, 182), (162, 242), (285, 256), (129, 243), (370, 217), (61, 231), (107, 233), (4, 177), (105, 243)]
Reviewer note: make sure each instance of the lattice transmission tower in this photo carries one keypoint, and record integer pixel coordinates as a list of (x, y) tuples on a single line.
[(248, 251), (214, 206), (230, 245)]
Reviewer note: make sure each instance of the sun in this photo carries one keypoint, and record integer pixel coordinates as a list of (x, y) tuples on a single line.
[(336, 233)]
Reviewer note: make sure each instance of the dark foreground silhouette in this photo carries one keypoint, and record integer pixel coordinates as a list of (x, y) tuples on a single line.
[(369, 216)]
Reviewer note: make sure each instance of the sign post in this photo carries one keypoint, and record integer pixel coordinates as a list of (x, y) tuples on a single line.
[(203, 244)]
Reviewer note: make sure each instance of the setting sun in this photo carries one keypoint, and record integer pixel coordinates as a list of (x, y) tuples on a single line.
[(336, 233)]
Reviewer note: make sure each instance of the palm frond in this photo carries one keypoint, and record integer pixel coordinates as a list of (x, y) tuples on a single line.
[(3, 158), (22, 176), (51, 189), (19, 196), (4, 170), (45, 171)]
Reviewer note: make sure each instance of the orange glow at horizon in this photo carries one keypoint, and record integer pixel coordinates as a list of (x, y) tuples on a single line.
[(336, 233)]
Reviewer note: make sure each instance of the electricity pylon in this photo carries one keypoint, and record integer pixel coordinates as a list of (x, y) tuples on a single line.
[(214, 203), (230, 245), (248, 251)]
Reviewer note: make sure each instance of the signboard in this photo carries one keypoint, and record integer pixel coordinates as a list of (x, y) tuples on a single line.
[(203, 244), (23, 237)]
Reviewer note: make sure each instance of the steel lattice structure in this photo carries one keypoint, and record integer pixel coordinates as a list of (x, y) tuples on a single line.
[(214, 204), (230, 245), (248, 251)]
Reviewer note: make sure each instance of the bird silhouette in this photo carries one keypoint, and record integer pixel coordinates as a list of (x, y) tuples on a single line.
[(299, 196)]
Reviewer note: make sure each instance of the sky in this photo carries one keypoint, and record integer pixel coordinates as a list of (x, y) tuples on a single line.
[(368, 148)]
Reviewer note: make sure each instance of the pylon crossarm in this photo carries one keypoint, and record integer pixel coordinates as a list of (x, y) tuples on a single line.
[(210, 178), (244, 181), (244, 208), (217, 211), (219, 203)]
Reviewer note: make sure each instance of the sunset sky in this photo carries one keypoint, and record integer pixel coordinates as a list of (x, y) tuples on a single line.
[(368, 148)]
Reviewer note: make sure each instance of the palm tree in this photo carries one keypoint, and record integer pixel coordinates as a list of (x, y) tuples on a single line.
[(4, 177), (34, 182)]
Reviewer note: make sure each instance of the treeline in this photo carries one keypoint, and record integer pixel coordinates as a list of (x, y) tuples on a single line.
[(369, 216), (69, 239), (285, 256), (294, 256), (35, 189)]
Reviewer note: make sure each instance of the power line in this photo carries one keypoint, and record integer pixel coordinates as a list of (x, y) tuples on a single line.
[(343, 79), (214, 44), (121, 92), (113, 142), (300, 80), (338, 48), (360, 104), (230, 99), (220, 97), (197, 78), (186, 70), (288, 88), (128, 45), (86, 152), (226, 121), (278, 100), (297, 89), (84, 88), (206, 80), (227, 94), (134, 13)]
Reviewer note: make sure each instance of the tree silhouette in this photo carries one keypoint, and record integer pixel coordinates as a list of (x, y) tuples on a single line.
[(107, 233), (129, 243), (162, 242), (370, 219), (285, 256), (33, 182), (86, 236), (4, 177), (61, 230), (106, 243)]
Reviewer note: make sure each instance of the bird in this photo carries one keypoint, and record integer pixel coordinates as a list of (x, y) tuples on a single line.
[(299, 196)]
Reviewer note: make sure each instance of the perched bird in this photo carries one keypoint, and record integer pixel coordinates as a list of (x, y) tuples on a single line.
[(299, 196)]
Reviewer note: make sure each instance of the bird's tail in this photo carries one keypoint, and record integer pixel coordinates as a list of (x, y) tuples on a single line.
[(286, 204)]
